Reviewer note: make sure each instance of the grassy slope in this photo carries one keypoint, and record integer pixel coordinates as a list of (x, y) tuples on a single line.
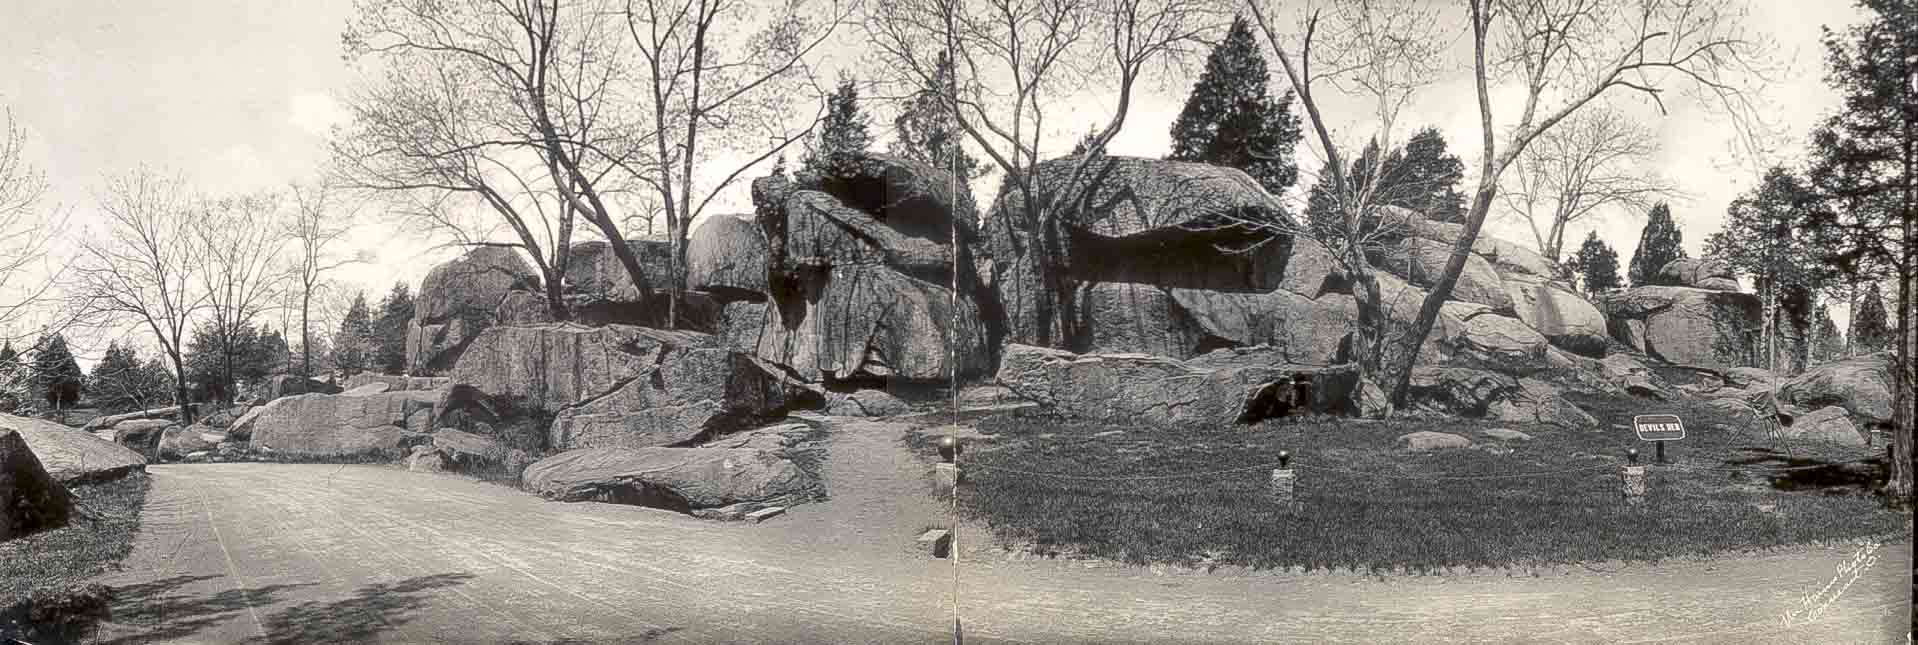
[(96, 539), (1369, 506)]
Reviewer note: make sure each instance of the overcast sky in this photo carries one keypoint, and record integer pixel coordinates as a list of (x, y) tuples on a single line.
[(237, 95)]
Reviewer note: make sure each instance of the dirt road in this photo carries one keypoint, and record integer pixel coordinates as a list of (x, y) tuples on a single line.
[(296, 553)]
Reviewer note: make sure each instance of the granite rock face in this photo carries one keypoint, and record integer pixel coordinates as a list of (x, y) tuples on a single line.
[(1223, 387)]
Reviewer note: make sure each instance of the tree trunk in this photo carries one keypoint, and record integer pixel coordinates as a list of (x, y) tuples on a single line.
[(1904, 416), (306, 335), (179, 387), (556, 299)]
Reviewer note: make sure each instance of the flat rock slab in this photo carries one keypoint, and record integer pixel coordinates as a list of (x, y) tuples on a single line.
[(1426, 441), (1222, 387), (680, 479), (72, 455)]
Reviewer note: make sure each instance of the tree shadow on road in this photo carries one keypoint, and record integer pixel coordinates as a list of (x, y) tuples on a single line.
[(373, 609), (160, 612)]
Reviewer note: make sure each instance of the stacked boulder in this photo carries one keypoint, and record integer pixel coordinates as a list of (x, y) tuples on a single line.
[(858, 274), (599, 290), (458, 300), (1692, 314), (30, 499)]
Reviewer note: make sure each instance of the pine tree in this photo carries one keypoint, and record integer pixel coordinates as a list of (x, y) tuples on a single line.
[(1871, 324), (1764, 237), (1230, 118), (1425, 178), (1831, 344), (352, 348), (1322, 212), (1088, 143), (56, 377), (11, 386), (389, 330), (1658, 245), (842, 140), (927, 131), (1597, 265), (116, 379)]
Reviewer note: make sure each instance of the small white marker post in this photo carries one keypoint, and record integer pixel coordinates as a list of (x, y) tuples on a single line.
[(1284, 484)]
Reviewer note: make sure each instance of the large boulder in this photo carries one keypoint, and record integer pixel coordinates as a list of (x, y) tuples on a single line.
[(681, 479), (726, 256), (1566, 320), (1422, 261), (1147, 221), (1861, 386), (866, 403), (1685, 325), (280, 385), (72, 456), (324, 427), (1829, 424), (599, 290), (1122, 317), (458, 300), (1219, 388), (620, 385), (867, 320), (1634, 377), (395, 383), (169, 412), (910, 197), (1538, 402), (823, 231), (1701, 273), (30, 499), (1307, 331), (1508, 258), (1458, 391), (177, 442), (142, 435)]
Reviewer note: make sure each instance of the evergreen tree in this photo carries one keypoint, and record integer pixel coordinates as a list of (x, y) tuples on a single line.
[(266, 356), (1764, 236), (1658, 245), (352, 348), (155, 379), (842, 140), (1322, 212), (1086, 143), (11, 386), (115, 380), (1230, 118), (1426, 177), (1597, 265), (389, 330), (927, 131), (1871, 324), (56, 377), (1831, 343)]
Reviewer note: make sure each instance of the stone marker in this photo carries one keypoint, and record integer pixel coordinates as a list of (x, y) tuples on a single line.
[(945, 477), (938, 542), (1634, 479), (1284, 488)]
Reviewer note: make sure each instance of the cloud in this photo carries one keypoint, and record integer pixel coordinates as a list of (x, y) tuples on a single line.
[(314, 113)]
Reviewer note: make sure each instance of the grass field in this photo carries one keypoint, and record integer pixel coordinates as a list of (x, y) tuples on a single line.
[(1060, 486), (44, 594)]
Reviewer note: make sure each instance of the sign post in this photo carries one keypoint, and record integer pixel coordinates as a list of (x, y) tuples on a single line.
[(1658, 429)]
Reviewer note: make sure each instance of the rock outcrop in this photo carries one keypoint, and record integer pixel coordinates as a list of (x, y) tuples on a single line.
[(72, 456), (280, 385), (1219, 388), (1685, 325), (398, 383), (327, 427), (1567, 320), (680, 479), (620, 385), (30, 499), (462, 298), (726, 256), (1862, 386), (1701, 273), (866, 321)]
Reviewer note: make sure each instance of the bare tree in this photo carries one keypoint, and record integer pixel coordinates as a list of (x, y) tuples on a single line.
[(1035, 53), (240, 242), (27, 228), (1564, 54), (1598, 159), (715, 72), (143, 267), (513, 106), (316, 225)]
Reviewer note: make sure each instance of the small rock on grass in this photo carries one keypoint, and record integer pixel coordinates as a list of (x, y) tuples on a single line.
[(1425, 441), (1504, 434)]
